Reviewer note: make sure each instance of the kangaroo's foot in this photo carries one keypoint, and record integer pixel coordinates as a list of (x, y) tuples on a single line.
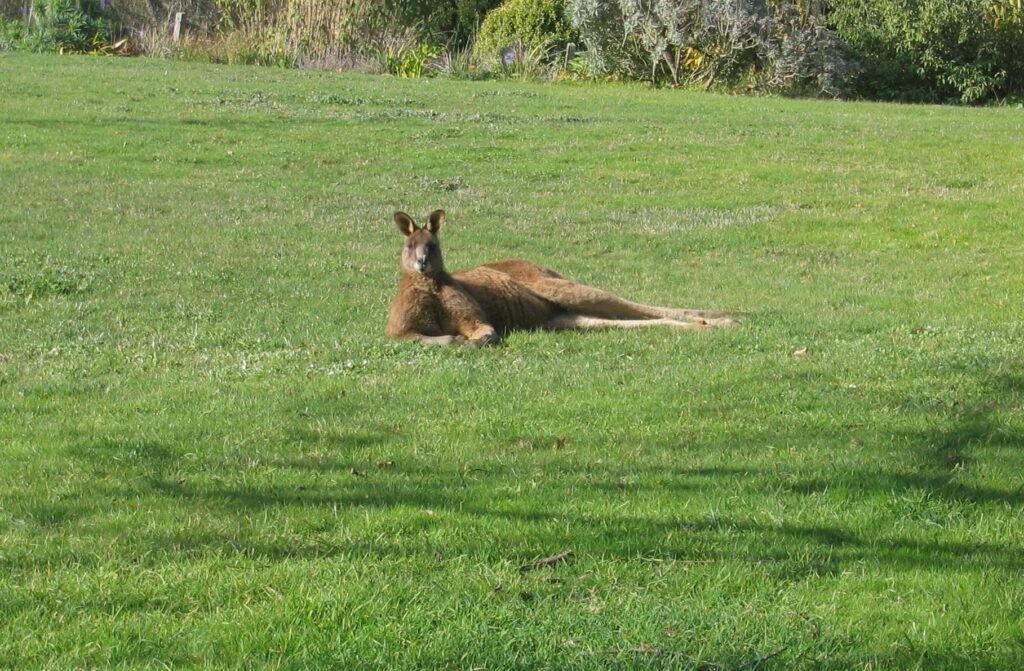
[(442, 340), (687, 314), (571, 320), (718, 321)]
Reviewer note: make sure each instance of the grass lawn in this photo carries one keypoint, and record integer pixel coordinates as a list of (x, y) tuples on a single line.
[(211, 456)]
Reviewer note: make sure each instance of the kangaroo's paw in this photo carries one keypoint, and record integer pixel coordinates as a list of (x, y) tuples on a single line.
[(485, 335)]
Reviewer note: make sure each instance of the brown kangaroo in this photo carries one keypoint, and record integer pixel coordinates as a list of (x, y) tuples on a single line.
[(479, 305)]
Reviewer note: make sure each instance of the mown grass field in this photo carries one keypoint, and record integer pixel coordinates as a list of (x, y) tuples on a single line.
[(210, 456)]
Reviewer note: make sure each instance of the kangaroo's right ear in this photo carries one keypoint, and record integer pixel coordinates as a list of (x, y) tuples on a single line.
[(405, 223)]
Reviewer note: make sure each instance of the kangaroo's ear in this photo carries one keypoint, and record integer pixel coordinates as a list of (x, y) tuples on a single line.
[(405, 223), (435, 221)]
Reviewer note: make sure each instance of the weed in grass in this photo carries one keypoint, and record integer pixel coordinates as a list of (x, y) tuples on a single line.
[(43, 276), (446, 184)]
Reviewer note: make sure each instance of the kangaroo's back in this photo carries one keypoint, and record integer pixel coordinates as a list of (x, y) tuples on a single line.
[(523, 271), (508, 302)]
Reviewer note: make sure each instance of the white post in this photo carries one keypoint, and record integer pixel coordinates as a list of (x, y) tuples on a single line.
[(177, 25)]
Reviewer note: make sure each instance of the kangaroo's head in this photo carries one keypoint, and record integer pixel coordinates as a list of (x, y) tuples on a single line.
[(422, 251)]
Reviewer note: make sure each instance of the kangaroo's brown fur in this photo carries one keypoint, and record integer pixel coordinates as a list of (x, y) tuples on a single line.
[(478, 305)]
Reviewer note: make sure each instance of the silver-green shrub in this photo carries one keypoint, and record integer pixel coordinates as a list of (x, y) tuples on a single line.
[(765, 46)]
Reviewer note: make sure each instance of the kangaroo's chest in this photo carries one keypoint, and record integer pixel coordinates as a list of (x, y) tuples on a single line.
[(416, 308)]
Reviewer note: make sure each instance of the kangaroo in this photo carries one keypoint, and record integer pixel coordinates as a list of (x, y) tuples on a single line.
[(479, 305)]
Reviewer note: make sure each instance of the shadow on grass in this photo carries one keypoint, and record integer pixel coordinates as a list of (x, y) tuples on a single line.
[(319, 488), (946, 452), (788, 551)]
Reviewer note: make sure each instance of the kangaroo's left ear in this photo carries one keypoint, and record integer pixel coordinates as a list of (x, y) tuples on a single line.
[(435, 221)]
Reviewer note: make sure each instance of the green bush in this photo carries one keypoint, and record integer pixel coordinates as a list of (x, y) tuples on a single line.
[(410, 62), (528, 24), (1008, 22), (66, 26), (12, 34), (932, 50)]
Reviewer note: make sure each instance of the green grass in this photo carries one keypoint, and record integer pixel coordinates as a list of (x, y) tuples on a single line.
[(212, 457)]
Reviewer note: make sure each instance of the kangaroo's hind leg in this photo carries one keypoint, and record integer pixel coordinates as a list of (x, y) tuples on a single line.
[(593, 302)]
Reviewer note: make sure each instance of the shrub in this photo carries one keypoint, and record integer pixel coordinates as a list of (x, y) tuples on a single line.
[(958, 49), (534, 62), (66, 26), (318, 31), (527, 24), (155, 15), (767, 46), (460, 64), (12, 9), (612, 49), (800, 55), (969, 50), (452, 21), (1008, 23), (411, 62), (266, 47), (12, 34)]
